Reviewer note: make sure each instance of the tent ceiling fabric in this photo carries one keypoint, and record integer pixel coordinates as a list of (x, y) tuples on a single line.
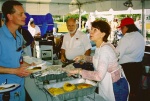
[(62, 7)]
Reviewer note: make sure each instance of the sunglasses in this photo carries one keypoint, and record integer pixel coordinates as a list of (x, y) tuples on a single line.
[(19, 49)]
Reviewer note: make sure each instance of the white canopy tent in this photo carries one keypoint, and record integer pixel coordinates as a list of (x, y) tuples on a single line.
[(63, 7)]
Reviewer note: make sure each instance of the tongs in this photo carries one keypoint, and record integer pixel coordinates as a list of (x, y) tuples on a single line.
[(68, 62)]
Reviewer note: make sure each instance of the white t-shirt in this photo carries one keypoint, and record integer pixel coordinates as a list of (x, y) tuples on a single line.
[(131, 48), (35, 30), (76, 45)]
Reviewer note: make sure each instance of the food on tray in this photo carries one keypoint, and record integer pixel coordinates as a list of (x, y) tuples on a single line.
[(83, 85), (55, 91), (68, 86), (36, 68), (1, 88), (53, 69), (56, 69)]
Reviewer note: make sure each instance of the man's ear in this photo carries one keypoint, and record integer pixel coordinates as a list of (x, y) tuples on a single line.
[(9, 16)]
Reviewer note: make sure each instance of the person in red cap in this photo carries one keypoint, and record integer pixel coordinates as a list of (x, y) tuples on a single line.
[(131, 51)]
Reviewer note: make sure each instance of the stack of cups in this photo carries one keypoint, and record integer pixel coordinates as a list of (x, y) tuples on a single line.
[(147, 69)]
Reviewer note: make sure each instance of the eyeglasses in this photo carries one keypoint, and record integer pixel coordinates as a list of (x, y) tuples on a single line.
[(18, 44)]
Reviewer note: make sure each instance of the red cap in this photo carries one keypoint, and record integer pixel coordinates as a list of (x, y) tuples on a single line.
[(126, 21)]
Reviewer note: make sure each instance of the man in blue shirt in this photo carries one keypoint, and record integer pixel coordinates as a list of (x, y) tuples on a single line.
[(10, 52)]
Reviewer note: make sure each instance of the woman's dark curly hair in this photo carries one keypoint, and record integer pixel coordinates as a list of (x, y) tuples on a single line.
[(103, 26)]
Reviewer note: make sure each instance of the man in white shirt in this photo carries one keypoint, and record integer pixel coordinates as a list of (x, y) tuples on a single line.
[(74, 42)]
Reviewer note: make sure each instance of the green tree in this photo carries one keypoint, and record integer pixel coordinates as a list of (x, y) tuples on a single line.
[(134, 16)]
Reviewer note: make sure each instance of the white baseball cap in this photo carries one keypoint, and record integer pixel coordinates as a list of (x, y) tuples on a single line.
[(31, 19)]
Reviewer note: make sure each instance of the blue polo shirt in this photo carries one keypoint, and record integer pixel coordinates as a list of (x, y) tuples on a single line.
[(9, 56)]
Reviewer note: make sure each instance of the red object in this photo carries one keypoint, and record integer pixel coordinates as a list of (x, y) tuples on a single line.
[(126, 21), (21, 60)]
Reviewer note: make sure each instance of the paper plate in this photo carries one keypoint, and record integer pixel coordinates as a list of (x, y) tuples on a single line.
[(8, 87)]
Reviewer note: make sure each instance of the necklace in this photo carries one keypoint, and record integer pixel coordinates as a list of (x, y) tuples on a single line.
[(101, 44)]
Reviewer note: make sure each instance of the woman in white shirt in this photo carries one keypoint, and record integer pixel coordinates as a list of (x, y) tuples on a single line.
[(108, 73), (34, 29)]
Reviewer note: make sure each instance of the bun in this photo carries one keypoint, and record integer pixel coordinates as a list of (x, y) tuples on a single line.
[(83, 85), (68, 86), (55, 91)]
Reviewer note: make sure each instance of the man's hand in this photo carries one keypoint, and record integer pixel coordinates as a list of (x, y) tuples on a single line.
[(22, 71), (63, 59)]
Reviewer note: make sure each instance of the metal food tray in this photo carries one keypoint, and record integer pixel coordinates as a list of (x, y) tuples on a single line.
[(52, 77), (53, 73), (72, 94)]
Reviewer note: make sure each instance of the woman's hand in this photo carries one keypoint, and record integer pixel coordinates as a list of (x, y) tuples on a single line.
[(79, 58), (73, 71)]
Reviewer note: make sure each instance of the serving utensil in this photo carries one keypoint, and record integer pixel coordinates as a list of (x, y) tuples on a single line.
[(68, 62)]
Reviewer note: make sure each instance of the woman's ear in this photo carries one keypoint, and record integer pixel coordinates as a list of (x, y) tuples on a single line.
[(103, 34)]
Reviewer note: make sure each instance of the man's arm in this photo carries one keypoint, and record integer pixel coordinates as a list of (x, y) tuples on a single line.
[(20, 71), (63, 57), (27, 36), (88, 52), (4, 70)]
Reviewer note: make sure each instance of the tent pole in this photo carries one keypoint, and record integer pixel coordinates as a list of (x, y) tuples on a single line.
[(143, 18), (79, 17), (63, 18), (79, 6)]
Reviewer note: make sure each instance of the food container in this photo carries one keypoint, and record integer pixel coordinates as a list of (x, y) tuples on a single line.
[(51, 77), (72, 94), (53, 72)]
